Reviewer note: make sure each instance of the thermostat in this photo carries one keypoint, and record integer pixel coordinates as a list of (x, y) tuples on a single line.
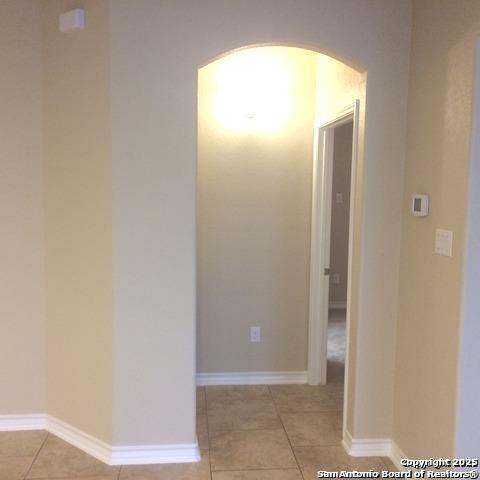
[(420, 205)]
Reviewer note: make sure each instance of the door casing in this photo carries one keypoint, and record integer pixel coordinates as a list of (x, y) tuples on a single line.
[(320, 243)]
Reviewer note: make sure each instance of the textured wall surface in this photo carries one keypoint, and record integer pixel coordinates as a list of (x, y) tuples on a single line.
[(254, 210), (157, 48), (22, 280), (439, 129), (120, 143), (77, 163)]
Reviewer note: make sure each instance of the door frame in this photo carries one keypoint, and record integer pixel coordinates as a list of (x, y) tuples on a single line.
[(320, 241)]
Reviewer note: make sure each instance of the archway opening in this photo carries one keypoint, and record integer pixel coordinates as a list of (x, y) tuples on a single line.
[(259, 113)]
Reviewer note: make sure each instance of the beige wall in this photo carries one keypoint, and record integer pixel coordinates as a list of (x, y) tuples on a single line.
[(341, 175), (157, 48), (77, 165), (154, 98), (120, 202), (440, 109), (254, 209), (22, 283), (151, 139)]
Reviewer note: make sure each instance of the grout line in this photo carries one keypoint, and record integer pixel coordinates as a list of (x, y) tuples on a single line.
[(286, 434), (36, 456), (252, 469), (119, 472)]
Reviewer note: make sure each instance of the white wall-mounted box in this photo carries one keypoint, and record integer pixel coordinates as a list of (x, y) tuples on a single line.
[(420, 205), (72, 21)]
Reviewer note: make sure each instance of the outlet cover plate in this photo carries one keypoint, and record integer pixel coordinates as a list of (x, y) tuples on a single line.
[(255, 334)]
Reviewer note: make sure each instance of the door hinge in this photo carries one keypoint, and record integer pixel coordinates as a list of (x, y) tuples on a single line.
[(326, 271)]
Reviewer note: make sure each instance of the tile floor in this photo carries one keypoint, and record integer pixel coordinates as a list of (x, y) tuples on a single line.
[(258, 432), (281, 432)]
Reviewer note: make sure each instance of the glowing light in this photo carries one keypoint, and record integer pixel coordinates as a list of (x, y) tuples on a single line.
[(251, 91)]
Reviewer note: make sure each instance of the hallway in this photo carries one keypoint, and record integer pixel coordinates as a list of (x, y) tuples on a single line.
[(258, 432)]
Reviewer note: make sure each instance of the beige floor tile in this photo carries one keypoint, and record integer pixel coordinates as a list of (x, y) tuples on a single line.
[(219, 396), (202, 431), (14, 468), (331, 391), (254, 414), (250, 449), (58, 459), (313, 428), (96, 477), (21, 444), (389, 465), (201, 401), (335, 459), (307, 405), (179, 471), (284, 474), (310, 473)]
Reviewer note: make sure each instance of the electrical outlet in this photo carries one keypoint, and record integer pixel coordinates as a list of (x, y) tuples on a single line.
[(336, 278), (254, 334), (339, 197)]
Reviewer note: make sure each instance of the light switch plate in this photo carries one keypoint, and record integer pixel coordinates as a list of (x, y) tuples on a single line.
[(443, 242), (72, 21)]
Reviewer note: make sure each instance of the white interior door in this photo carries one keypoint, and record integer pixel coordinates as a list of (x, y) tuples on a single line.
[(320, 242), (320, 264)]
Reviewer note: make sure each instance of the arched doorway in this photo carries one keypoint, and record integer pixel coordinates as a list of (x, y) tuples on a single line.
[(258, 112)]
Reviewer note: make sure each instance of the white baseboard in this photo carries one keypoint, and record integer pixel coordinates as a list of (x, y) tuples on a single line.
[(251, 378), (337, 305), (366, 447), (10, 423), (111, 455), (373, 447), (183, 453), (396, 455), (85, 442)]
